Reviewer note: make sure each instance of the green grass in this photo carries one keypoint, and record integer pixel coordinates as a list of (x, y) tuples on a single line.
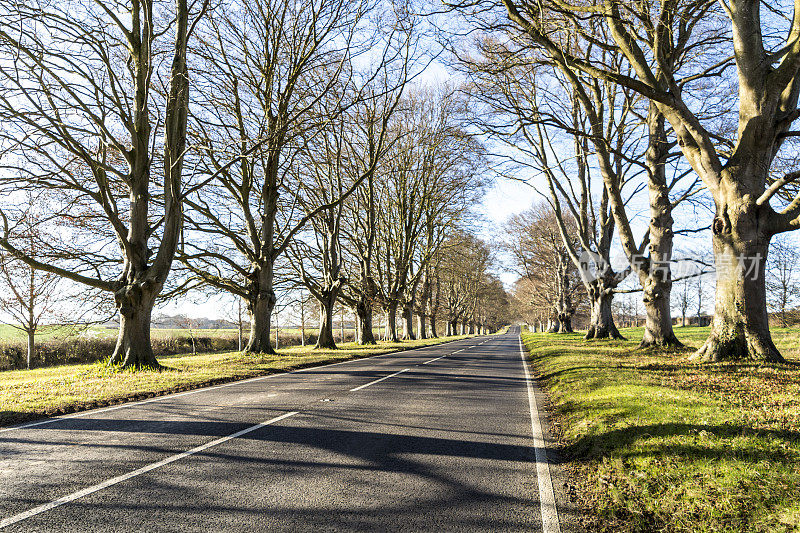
[(661, 444), (28, 394)]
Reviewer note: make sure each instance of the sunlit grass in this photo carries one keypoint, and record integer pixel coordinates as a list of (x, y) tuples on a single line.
[(26, 394), (662, 444)]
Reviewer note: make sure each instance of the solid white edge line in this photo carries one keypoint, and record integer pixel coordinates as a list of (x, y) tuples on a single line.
[(547, 498), (152, 466), (203, 389), (379, 380)]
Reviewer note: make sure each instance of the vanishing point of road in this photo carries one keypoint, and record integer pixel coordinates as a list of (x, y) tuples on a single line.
[(442, 438)]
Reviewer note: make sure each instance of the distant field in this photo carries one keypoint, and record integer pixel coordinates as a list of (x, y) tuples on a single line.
[(26, 394), (10, 334), (661, 444)]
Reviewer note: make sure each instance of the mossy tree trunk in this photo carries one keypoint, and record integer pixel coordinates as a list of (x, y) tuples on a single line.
[(408, 322), (135, 304), (601, 322), (365, 334), (391, 323), (325, 338), (260, 304), (740, 327)]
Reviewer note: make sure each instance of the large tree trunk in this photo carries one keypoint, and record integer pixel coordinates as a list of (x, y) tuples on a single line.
[(325, 336), (656, 278), (422, 326), (425, 305), (565, 322), (364, 313), (135, 304), (408, 322), (740, 329), (563, 306), (601, 323), (136, 298), (433, 326), (260, 304), (434, 307), (658, 318), (259, 310), (391, 323)]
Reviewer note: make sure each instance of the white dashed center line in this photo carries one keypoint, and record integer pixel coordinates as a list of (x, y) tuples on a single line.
[(379, 380)]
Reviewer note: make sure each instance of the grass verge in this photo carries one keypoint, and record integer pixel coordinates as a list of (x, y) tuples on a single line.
[(657, 443), (31, 394)]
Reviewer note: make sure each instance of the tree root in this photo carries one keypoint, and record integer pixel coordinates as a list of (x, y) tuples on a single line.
[(739, 348), (371, 342), (269, 351), (670, 341), (126, 363), (596, 332)]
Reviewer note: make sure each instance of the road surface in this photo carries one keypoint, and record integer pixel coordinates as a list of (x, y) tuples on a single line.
[(442, 438)]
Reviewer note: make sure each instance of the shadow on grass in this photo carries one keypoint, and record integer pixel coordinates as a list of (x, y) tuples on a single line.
[(611, 443), (728, 368), (564, 371)]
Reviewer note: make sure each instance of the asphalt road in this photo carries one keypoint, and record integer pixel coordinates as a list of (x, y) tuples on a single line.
[(441, 438)]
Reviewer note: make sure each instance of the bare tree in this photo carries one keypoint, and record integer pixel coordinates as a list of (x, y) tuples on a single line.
[(339, 160), (528, 306), (542, 258), (461, 273), (431, 179), (736, 164), (571, 191), (685, 298), (494, 308), (628, 138), (189, 324), (318, 258), (81, 124), (782, 279), (700, 293), (269, 64), (28, 296)]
